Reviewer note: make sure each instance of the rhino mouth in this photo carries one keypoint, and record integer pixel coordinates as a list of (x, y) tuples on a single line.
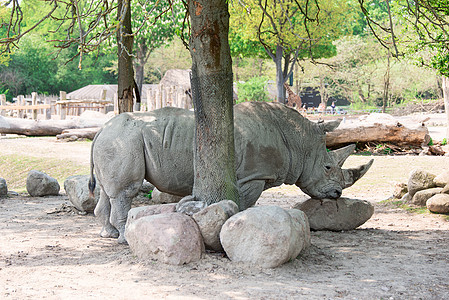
[(329, 192)]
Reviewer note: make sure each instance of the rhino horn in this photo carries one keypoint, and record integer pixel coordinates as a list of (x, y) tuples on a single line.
[(343, 153), (354, 174), (329, 126)]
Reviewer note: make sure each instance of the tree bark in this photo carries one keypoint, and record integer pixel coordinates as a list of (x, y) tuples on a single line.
[(445, 88), (279, 75), (125, 64), (211, 81)]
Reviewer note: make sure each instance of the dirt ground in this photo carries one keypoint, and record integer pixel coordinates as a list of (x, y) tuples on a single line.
[(49, 251)]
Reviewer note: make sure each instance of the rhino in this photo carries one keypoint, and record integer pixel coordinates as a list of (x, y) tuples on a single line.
[(274, 145)]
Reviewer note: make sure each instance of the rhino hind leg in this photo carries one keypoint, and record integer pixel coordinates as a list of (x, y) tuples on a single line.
[(249, 192), (103, 213)]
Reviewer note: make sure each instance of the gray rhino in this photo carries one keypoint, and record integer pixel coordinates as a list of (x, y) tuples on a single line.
[(274, 145)]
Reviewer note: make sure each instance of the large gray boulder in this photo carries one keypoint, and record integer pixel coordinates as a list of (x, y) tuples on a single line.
[(267, 236), (77, 190), (211, 219), (420, 198), (3, 188), (438, 204), (336, 215), (40, 184), (420, 180), (172, 238)]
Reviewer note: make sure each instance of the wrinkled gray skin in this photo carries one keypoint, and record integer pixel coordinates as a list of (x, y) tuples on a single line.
[(274, 144)]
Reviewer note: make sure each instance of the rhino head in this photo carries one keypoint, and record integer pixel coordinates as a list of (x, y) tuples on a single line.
[(322, 175)]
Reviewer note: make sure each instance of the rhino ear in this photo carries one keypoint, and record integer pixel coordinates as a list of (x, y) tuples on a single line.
[(342, 154), (329, 126)]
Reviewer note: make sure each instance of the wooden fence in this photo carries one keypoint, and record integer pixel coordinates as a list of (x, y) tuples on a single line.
[(44, 107)]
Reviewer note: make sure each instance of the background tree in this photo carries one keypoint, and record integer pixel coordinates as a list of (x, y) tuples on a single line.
[(420, 25), (288, 31)]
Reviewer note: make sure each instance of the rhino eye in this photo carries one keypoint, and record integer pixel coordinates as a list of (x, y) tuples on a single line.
[(327, 167)]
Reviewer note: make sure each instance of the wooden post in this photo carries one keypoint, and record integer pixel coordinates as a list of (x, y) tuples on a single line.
[(2, 102), (34, 102), (20, 102), (48, 110), (63, 108), (103, 97), (115, 104)]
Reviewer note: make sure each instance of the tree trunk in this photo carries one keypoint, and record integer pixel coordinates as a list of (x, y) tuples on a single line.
[(386, 84), (141, 57), (445, 87), (279, 75), (211, 81), (125, 64)]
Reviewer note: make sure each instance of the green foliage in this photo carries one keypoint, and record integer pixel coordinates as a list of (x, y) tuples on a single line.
[(444, 142), (253, 90), (430, 142), (393, 202), (149, 195)]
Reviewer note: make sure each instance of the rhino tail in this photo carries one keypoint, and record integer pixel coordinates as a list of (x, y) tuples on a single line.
[(92, 182)]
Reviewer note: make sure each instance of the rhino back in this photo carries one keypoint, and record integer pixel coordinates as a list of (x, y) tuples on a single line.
[(168, 135)]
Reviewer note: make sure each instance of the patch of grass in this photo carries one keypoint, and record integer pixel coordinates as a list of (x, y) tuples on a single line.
[(397, 203), (14, 169)]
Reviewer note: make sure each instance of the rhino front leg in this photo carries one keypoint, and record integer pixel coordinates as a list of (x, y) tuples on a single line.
[(249, 192), (103, 213)]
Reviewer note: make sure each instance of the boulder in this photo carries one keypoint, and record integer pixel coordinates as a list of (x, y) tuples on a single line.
[(172, 238), (442, 179), (144, 211), (400, 189), (438, 204), (77, 190), (211, 219), (420, 180), (420, 198), (158, 197), (336, 215), (40, 184), (267, 236), (3, 188)]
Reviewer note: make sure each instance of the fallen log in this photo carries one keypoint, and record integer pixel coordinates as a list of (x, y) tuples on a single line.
[(362, 132), (79, 133), (45, 127)]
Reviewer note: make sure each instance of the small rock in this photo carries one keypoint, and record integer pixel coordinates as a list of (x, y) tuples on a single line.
[(211, 219), (40, 184), (172, 238), (267, 236), (77, 190), (406, 198), (158, 197), (400, 189), (438, 204), (144, 211), (3, 188), (420, 198), (442, 179), (445, 190), (189, 205), (420, 180), (336, 215)]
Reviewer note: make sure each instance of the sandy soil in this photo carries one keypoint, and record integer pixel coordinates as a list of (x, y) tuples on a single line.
[(49, 251)]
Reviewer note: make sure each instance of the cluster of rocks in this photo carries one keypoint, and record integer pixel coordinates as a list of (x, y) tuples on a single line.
[(425, 189), (264, 235)]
